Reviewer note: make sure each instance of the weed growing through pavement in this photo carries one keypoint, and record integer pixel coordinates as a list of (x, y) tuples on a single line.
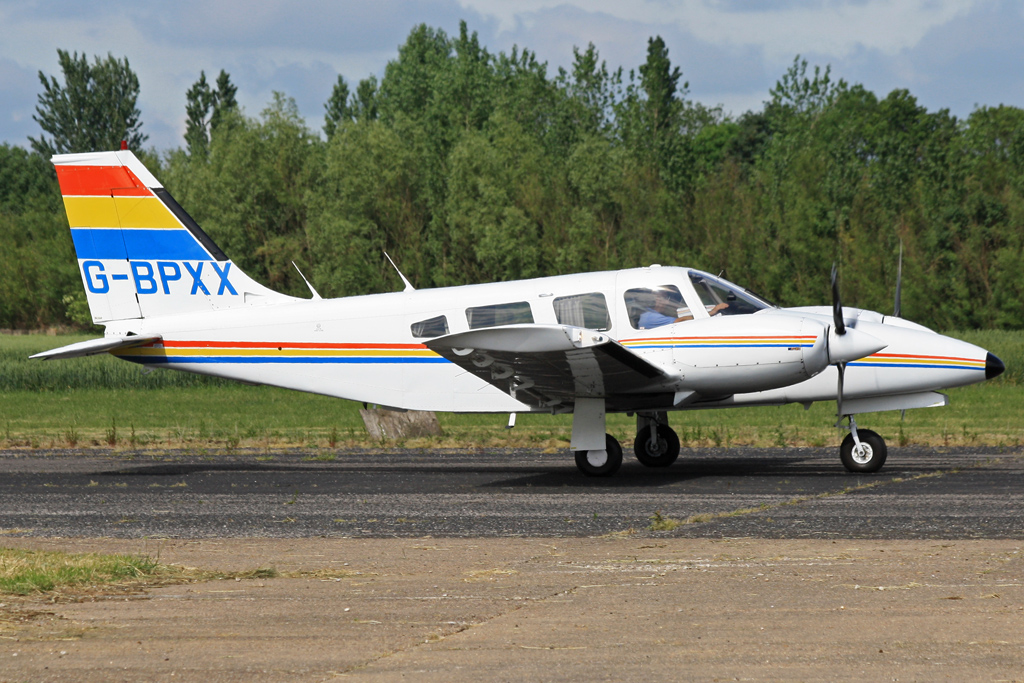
[(661, 523), (111, 435), (71, 435)]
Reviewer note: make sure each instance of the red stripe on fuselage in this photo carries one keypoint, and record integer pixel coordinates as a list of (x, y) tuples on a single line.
[(278, 345)]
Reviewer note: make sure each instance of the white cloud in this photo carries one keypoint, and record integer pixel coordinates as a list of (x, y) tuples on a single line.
[(954, 52), (780, 29)]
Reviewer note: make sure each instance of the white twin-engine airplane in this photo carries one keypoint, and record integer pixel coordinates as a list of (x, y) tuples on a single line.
[(643, 341)]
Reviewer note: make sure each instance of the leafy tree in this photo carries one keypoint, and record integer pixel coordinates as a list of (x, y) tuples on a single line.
[(338, 108), (369, 200), (225, 101), (93, 110), (258, 217), (660, 83), (199, 101), (366, 105), (206, 108), (39, 265), (410, 80), (471, 166)]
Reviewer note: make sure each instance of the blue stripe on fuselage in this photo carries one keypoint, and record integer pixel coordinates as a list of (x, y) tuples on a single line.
[(248, 360)]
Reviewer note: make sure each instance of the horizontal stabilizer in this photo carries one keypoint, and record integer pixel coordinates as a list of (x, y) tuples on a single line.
[(92, 347)]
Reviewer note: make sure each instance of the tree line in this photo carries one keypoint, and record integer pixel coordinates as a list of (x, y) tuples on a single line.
[(470, 166)]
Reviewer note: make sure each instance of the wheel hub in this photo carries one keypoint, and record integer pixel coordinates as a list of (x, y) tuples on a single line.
[(862, 453), (597, 458)]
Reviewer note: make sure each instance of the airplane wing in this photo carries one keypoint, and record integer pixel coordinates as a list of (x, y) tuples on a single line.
[(550, 366), (92, 347)]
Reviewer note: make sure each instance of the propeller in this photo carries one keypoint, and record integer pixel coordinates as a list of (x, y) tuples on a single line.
[(841, 367), (837, 304), (846, 345), (840, 329), (899, 283)]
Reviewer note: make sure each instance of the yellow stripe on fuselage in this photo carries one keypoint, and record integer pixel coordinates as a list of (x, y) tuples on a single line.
[(123, 212)]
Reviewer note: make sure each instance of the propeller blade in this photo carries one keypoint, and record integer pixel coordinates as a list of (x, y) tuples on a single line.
[(837, 304), (841, 367), (899, 282)]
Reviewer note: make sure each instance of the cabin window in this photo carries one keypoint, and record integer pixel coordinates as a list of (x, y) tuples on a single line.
[(433, 327), (499, 314), (653, 307), (583, 310)]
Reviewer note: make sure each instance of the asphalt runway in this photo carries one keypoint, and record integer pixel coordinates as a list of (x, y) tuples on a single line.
[(922, 493)]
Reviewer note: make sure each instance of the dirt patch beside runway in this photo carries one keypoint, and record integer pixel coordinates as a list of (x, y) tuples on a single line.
[(540, 609)]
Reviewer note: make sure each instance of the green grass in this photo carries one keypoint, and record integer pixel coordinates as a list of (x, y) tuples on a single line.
[(103, 371), (102, 401), (24, 572), (38, 572)]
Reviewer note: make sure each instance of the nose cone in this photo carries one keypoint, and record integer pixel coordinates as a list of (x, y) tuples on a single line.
[(993, 366), (854, 344)]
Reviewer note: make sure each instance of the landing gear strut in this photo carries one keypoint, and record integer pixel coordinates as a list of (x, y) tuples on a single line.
[(597, 454), (656, 445), (862, 451)]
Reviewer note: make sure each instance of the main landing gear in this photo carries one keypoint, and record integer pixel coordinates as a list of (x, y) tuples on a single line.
[(656, 445), (601, 462), (862, 451)]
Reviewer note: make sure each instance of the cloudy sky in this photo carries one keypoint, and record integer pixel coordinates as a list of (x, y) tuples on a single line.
[(951, 54)]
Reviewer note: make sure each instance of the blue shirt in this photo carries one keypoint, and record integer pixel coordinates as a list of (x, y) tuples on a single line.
[(651, 319)]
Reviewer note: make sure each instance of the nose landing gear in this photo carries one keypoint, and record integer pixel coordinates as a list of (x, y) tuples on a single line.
[(862, 451)]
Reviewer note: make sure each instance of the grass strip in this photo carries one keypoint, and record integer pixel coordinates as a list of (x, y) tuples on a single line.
[(43, 572), (27, 572)]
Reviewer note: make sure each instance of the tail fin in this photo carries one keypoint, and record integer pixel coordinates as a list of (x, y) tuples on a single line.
[(140, 254)]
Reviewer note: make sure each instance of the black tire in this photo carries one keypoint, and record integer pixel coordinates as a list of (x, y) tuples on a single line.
[(608, 467), (667, 451), (873, 457)]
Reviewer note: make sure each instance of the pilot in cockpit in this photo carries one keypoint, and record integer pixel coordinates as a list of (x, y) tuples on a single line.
[(667, 307)]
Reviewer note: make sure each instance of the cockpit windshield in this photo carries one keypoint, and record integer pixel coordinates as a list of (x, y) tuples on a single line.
[(714, 292)]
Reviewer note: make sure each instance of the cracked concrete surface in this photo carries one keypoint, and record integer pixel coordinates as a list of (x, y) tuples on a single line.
[(552, 609)]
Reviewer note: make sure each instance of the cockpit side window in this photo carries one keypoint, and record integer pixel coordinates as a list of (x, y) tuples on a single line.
[(653, 307), (721, 296)]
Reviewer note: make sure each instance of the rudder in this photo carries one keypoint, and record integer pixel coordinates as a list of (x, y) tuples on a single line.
[(139, 253)]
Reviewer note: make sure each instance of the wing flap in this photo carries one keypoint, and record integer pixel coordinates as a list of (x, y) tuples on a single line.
[(92, 347), (548, 366)]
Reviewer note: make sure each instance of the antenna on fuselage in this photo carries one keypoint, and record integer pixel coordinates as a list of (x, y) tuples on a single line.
[(408, 285), (315, 294)]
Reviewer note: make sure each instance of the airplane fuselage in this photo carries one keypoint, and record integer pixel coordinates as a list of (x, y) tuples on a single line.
[(372, 348)]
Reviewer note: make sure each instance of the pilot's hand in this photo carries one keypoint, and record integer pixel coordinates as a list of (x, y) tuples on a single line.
[(719, 308)]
